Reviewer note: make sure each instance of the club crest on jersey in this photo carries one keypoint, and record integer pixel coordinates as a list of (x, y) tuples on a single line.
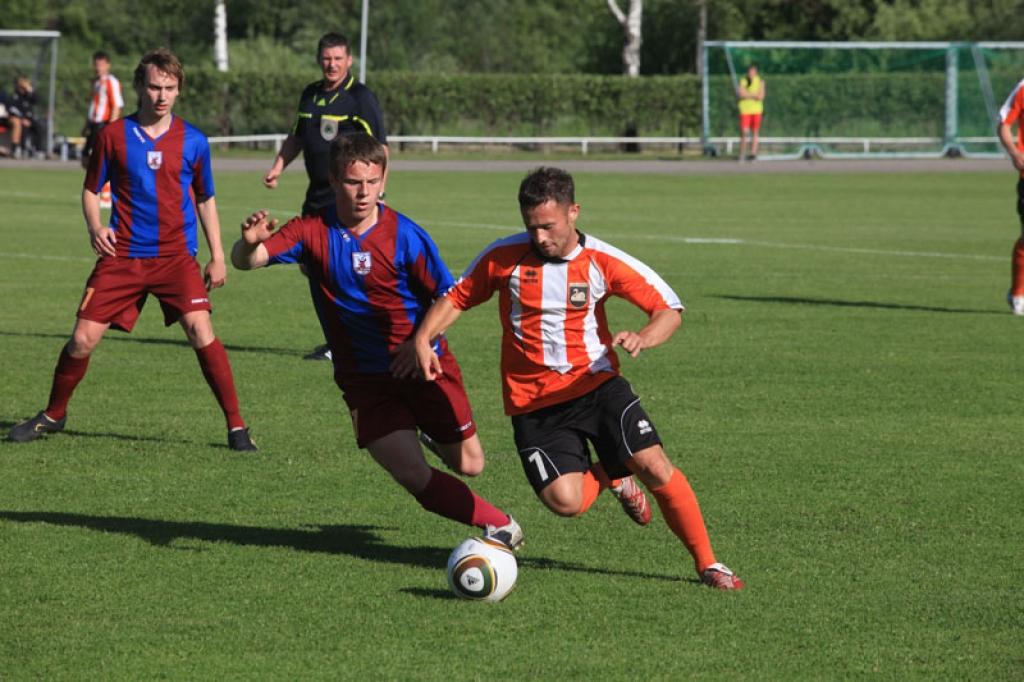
[(578, 295), (328, 128), (154, 159), (361, 262)]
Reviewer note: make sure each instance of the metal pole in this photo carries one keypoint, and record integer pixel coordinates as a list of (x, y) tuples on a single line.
[(362, 40), (704, 101), (952, 52), (53, 96)]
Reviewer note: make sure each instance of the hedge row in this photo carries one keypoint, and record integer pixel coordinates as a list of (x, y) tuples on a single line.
[(242, 102)]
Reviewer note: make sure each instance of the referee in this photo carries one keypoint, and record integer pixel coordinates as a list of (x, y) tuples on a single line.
[(335, 105)]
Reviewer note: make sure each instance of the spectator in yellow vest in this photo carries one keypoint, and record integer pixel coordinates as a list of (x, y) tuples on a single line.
[(750, 94)]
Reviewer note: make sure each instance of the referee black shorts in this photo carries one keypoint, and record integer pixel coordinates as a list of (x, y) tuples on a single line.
[(555, 440)]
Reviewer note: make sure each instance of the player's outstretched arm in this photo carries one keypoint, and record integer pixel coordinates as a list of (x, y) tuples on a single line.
[(290, 148), (440, 317), (216, 271), (102, 239), (248, 252), (659, 329)]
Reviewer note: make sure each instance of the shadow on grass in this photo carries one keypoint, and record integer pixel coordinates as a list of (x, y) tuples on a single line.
[(798, 300), (363, 542), (5, 426), (121, 337)]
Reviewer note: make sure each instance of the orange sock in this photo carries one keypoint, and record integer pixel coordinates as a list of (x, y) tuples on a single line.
[(1017, 269), (594, 481), (682, 514)]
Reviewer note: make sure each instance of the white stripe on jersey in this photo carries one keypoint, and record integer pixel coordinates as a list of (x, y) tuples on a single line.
[(552, 319), (516, 313), (1008, 104), (596, 351)]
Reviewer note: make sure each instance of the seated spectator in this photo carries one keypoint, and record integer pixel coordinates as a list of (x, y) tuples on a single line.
[(27, 128)]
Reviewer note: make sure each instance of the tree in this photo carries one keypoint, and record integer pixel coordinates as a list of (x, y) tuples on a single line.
[(632, 38)]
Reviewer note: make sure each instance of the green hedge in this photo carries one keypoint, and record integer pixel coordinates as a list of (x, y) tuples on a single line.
[(242, 102)]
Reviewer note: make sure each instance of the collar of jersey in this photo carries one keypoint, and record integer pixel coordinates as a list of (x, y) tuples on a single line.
[(561, 259), (345, 85)]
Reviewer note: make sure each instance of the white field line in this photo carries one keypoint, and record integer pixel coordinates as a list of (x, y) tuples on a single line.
[(39, 256), (748, 242)]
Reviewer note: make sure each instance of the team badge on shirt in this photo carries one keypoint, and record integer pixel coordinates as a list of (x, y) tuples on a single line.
[(328, 128), (154, 159), (361, 262), (578, 295)]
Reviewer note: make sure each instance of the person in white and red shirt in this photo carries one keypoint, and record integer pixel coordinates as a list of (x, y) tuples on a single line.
[(1009, 115), (560, 372), (104, 108)]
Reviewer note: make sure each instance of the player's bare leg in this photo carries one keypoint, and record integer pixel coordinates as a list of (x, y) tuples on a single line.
[(465, 457), (756, 139), (744, 132), (682, 513), (564, 496), (1015, 297), (213, 360), (399, 453)]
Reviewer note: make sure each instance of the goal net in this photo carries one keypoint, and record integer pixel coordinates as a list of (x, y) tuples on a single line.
[(863, 99), (32, 55)]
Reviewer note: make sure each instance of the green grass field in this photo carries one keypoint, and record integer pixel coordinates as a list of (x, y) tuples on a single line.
[(845, 398)]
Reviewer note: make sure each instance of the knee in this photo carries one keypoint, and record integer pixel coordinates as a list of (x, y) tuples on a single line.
[(560, 501), (466, 457), (82, 344), (652, 466)]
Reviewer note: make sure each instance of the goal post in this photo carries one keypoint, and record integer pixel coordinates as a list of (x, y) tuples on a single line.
[(32, 54), (869, 99)]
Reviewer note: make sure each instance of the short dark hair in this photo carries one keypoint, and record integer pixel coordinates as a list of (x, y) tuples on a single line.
[(356, 147), (164, 60), (331, 40), (545, 184), (100, 54)]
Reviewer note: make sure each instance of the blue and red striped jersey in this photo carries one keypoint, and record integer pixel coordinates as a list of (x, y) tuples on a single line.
[(370, 291), (155, 185)]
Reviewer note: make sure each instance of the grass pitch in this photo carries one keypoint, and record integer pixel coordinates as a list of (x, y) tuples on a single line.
[(844, 397)]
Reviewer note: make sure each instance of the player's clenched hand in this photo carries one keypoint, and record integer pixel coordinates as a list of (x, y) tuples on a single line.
[(270, 179), (103, 241), (215, 274), (257, 228), (631, 342)]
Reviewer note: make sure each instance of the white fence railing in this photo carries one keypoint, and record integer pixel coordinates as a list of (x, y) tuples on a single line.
[(806, 145)]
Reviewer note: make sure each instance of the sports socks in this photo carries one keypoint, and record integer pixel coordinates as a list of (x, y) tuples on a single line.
[(594, 481), (213, 360), (682, 514), (1017, 269), (66, 375), (449, 497)]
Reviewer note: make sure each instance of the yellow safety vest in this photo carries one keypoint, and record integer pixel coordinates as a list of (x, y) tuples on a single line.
[(752, 106)]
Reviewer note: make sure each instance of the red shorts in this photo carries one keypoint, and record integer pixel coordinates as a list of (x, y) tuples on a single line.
[(750, 121), (118, 287), (381, 404)]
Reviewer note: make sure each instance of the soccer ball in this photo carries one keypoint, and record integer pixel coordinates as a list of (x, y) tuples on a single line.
[(481, 569)]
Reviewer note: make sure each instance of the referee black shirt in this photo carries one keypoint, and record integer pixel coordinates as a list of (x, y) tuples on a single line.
[(323, 115)]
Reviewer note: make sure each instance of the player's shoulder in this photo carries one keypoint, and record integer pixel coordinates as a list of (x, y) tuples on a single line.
[(310, 91), (507, 250), (603, 251), (190, 128)]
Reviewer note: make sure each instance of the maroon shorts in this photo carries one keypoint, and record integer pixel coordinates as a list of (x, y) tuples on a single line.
[(381, 404), (118, 287)]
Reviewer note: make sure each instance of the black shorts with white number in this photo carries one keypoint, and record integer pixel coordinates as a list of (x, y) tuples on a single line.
[(554, 440)]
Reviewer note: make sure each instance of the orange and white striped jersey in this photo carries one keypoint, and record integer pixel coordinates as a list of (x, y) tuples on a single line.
[(106, 94), (556, 344)]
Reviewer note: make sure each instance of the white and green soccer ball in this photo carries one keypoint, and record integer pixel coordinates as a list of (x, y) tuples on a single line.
[(482, 570)]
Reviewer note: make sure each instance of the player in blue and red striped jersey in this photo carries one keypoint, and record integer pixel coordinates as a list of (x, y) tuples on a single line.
[(159, 167), (373, 274)]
